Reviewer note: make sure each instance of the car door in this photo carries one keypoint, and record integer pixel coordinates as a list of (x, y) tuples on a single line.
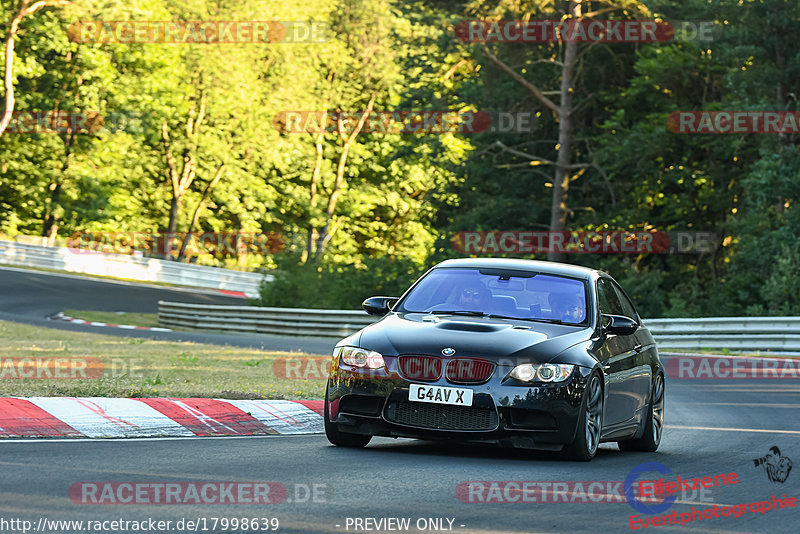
[(617, 354), (641, 375)]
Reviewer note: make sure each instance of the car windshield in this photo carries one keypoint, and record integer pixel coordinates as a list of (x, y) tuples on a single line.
[(509, 294)]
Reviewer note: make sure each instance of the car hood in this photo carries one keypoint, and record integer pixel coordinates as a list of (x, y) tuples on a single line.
[(496, 339)]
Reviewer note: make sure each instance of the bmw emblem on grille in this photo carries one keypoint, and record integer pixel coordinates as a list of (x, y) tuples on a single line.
[(449, 351)]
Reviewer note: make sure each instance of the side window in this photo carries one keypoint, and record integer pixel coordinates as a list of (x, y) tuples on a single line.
[(608, 299), (627, 307)]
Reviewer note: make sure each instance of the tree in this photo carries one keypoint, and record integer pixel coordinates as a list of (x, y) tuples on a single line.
[(25, 9), (565, 111), (359, 69), (181, 178)]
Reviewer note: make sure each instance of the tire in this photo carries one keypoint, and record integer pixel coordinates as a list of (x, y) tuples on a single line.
[(342, 439), (654, 424), (590, 422)]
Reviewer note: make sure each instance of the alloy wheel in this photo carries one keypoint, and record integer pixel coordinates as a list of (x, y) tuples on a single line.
[(658, 408), (594, 414)]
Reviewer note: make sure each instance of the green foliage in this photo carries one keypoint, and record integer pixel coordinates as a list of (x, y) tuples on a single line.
[(783, 285), (334, 286), (404, 196)]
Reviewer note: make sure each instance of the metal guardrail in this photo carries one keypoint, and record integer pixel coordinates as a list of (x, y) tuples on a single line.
[(735, 333), (134, 268), (261, 320)]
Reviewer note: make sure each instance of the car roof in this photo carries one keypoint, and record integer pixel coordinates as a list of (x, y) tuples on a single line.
[(544, 267)]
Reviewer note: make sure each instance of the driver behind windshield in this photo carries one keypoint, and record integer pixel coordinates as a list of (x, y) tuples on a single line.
[(475, 297), (567, 308)]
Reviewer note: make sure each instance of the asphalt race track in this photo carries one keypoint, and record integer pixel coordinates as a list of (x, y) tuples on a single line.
[(714, 427), (32, 296)]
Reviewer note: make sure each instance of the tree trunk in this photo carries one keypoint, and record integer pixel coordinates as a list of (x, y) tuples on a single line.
[(783, 138), (8, 80), (198, 209), (172, 227), (312, 230), (181, 182), (50, 222), (325, 233), (562, 175), (324, 236), (563, 111)]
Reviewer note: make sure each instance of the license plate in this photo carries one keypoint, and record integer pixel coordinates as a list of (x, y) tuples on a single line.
[(440, 395)]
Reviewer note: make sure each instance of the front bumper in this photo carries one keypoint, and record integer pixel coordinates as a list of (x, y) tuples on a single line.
[(504, 411)]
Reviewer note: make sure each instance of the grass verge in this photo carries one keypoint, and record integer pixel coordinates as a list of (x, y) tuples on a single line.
[(135, 367)]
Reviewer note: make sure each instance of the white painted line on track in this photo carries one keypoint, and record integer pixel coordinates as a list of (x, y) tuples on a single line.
[(773, 355), (701, 503), (141, 439), (725, 429), (750, 390), (748, 404), (781, 386)]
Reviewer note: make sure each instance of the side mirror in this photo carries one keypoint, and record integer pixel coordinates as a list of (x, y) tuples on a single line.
[(619, 325), (379, 305)]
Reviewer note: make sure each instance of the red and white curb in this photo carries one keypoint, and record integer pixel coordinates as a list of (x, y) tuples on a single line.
[(102, 417), (61, 317), (240, 294)]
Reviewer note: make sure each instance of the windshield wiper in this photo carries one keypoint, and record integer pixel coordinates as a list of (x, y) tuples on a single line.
[(458, 312), (536, 320), (552, 321), (470, 313), (497, 316)]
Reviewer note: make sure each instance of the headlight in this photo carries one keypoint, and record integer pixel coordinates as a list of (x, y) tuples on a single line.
[(367, 359), (545, 372)]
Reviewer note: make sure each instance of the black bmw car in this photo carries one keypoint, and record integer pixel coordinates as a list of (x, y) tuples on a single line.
[(521, 353)]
